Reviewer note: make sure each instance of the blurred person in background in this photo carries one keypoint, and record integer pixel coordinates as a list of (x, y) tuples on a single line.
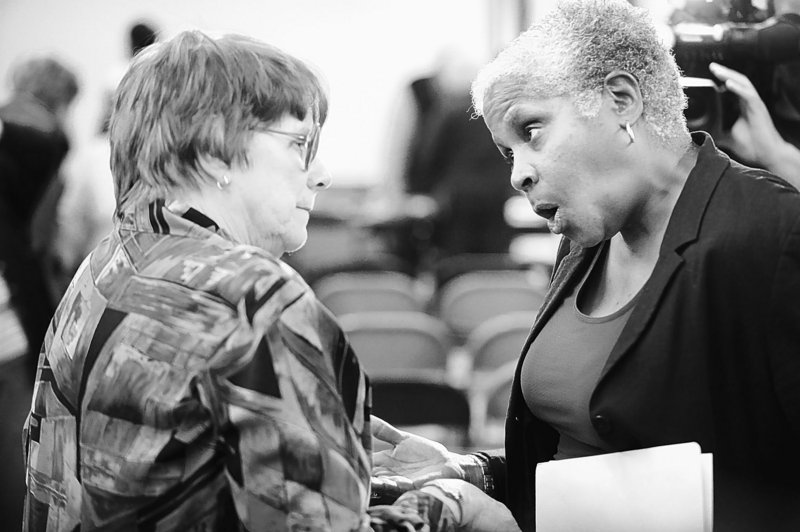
[(43, 90), (754, 137), (767, 134), (756, 57), (441, 194), (86, 206), (32, 147), (460, 171), (190, 379), (672, 313), (785, 101)]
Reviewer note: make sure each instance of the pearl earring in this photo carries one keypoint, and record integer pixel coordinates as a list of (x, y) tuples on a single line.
[(225, 182)]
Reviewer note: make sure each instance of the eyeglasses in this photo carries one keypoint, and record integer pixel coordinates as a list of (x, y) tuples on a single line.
[(308, 143)]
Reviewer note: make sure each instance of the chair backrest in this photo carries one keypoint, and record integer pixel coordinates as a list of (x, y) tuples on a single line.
[(367, 291), (499, 339), (414, 402), (398, 343), (472, 298), (447, 268), (497, 401), (489, 395)]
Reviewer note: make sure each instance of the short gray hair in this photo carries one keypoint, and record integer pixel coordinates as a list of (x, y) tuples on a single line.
[(570, 52), (195, 96)]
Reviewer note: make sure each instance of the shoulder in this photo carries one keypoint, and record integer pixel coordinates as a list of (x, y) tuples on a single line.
[(748, 227), (243, 272), (757, 202), (207, 269)]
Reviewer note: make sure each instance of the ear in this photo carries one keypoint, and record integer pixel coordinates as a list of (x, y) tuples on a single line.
[(622, 90), (212, 166)]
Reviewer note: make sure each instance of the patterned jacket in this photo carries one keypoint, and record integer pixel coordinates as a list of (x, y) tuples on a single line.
[(191, 383)]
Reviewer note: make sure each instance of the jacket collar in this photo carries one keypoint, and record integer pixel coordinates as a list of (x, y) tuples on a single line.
[(687, 216), (175, 219)]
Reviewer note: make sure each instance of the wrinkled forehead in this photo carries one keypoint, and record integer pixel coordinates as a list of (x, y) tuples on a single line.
[(505, 93)]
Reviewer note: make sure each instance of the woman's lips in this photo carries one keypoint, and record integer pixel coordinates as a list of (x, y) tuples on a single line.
[(551, 213), (545, 210)]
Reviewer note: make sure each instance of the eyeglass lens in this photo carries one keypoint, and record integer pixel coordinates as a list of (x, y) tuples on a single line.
[(311, 146)]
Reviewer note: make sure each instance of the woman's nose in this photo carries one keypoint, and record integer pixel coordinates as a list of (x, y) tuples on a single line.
[(319, 178), (522, 178)]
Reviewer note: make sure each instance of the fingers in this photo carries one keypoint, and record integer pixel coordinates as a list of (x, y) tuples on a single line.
[(407, 479), (381, 470), (385, 432), (735, 81), (391, 484)]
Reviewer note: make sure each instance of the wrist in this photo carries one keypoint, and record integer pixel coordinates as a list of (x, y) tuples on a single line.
[(472, 470), (450, 498), (486, 479)]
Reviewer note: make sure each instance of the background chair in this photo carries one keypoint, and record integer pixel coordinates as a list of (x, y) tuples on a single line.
[(488, 399), (493, 348), (449, 267), (426, 407), (472, 298), (498, 340), (399, 343), (367, 291)]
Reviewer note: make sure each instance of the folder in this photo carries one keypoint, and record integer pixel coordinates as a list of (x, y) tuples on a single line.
[(658, 489)]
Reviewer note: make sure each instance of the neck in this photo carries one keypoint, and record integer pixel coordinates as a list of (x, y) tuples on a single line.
[(229, 214), (642, 238)]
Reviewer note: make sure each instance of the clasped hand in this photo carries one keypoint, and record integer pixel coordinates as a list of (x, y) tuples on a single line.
[(412, 460)]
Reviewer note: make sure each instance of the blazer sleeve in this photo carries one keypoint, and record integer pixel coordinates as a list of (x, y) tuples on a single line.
[(784, 333)]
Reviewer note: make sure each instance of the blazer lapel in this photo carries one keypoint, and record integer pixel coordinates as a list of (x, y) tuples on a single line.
[(683, 228), (643, 312)]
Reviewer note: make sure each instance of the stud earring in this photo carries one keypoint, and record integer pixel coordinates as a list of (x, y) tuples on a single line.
[(225, 182), (629, 131)]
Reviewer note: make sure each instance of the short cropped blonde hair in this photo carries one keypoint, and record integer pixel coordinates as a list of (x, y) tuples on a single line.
[(195, 96), (570, 52)]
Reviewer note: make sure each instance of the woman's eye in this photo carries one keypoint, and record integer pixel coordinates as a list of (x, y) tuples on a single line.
[(508, 156), (531, 131)]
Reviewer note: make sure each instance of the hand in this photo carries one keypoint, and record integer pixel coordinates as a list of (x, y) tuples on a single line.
[(413, 460), (473, 509), (753, 136)]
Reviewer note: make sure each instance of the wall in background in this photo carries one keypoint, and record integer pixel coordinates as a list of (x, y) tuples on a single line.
[(367, 49)]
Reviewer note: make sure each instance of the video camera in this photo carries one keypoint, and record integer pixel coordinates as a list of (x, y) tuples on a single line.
[(748, 42)]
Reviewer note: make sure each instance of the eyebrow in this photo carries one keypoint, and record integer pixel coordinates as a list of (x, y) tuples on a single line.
[(525, 112)]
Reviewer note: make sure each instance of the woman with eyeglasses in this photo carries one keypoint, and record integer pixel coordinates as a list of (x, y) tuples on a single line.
[(189, 379)]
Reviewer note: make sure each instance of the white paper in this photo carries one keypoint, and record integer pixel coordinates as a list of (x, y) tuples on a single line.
[(660, 489)]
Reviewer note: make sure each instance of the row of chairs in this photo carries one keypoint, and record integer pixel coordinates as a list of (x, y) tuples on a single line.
[(461, 419), (419, 378), (462, 303), (440, 359), (409, 343)]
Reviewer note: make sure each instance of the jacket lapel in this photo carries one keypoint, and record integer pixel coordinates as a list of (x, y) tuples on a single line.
[(683, 228)]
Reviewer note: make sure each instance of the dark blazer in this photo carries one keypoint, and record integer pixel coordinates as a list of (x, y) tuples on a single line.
[(711, 352)]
